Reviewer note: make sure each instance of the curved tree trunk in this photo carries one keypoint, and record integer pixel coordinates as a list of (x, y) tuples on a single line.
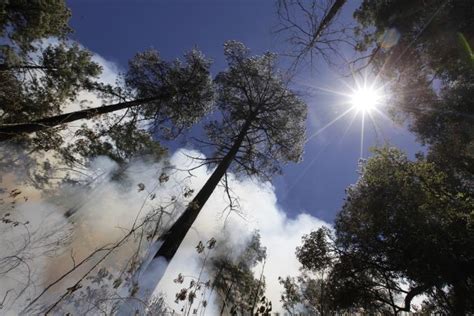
[(9, 131)]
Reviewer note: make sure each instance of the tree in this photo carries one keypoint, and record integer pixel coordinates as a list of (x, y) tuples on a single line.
[(165, 98), (405, 230), (22, 22), (34, 92), (234, 282), (310, 292), (261, 126), (423, 50), (40, 73), (40, 80), (411, 220), (407, 220), (177, 92), (38, 76)]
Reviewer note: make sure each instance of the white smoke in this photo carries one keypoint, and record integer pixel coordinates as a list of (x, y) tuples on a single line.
[(259, 206), (103, 211)]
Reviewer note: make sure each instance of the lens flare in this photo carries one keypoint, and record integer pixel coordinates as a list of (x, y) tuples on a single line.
[(365, 99)]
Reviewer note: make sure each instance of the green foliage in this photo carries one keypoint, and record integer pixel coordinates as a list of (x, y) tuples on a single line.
[(40, 89), (408, 219), (183, 89), (418, 215), (304, 293), (39, 80), (405, 229), (309, 292), (24, 21), (39, 77), (314, 254), (120, 142)]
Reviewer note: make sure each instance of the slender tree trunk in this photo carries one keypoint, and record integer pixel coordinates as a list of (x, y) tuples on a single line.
[(6, 67), (226, 297), (8, 131), (175, 235), (152, 271), (258, 288), (336, 7)]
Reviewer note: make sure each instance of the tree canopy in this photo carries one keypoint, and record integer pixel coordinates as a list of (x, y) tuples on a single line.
[(404, 233), (404, 230), (423, 50), (253, 91), (261, 125)]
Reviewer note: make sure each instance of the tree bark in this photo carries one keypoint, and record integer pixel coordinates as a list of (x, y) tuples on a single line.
[(226, 297), (460, 298), (175, 235), (9, 131), (7, 67), (335, 8)]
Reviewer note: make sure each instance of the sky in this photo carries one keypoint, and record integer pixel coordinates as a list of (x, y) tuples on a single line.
[(118, 29)]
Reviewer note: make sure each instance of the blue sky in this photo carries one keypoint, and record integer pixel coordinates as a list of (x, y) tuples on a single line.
[(117, 29)]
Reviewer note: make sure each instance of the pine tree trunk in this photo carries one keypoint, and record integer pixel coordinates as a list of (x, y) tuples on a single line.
[(226, 298), (175, 235), (8, 131), (7, 67), (152, 271)]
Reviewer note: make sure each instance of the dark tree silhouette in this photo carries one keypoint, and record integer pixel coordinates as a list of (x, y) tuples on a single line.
[(404, 231), (177, 92), (262, 124), (423, 50)]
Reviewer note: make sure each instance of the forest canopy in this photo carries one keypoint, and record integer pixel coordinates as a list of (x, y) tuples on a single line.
[(206, 176)]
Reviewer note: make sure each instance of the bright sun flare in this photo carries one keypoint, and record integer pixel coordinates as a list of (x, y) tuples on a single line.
[(365, 99)]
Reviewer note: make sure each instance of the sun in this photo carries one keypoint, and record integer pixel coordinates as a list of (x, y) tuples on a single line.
[(365, 99)]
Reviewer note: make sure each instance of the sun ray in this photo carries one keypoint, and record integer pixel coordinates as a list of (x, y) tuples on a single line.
[(362, 135), (329, 124), (382, 114), (377, 129), (348, 126), (363, 97)]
